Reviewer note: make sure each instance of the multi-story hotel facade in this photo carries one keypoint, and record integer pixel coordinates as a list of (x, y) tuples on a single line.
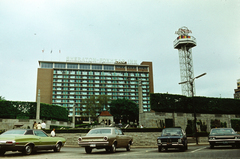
[(237, 91), (69, 83)]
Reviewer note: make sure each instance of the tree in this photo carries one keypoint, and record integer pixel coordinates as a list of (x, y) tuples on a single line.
[(96, 104), (2, 98), (124, 109)]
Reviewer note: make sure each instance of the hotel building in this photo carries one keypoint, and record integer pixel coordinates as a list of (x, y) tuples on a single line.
[(68, 83), (237, 91)]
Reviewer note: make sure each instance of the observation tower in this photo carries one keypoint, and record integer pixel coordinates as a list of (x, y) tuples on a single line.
[(184, 43)]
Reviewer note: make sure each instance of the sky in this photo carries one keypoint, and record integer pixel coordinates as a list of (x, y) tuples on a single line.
[(141, 30)]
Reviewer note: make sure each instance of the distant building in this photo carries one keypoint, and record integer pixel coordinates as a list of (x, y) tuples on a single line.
[(68, 83), (237, 91), (105, 118)]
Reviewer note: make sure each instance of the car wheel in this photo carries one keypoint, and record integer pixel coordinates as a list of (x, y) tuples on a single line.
[(166, 148), (113, 148), (107, 149), (57, 148), (211, 146), (159, 148), (238, 145), (27, 150), (2, 152), (186, 147), (128, 148), (88, 149), (182, 148)]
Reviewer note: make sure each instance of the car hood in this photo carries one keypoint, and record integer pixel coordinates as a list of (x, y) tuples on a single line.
[(233, 135), (169, 137)]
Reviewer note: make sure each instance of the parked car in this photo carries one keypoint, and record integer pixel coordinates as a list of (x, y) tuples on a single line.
[(109, 138), (172, 138), (29, 140), (223, 136)]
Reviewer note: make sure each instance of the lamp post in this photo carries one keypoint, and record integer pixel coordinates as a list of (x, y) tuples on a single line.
[(194, 109)]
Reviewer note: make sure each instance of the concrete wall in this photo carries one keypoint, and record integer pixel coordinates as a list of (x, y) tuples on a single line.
[(152, 119), (6, 124)]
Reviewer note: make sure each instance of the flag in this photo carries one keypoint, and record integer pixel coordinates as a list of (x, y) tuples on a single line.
[(59, 51), (51, 51), (43, 51)]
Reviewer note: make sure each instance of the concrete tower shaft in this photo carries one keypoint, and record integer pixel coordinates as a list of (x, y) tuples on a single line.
[(184, 44)]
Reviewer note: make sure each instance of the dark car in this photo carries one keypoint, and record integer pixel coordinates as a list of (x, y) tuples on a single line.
[(223, 136), (172, 138)]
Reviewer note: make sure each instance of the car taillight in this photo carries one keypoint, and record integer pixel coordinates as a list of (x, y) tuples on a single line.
[(79, 139), (105, 138), (9, 142)]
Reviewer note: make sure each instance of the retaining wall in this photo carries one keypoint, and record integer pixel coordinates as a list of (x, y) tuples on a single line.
[(139, 138)]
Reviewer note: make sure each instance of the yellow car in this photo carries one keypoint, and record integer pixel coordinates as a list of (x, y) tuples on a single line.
[(29, 140), (109, 138)]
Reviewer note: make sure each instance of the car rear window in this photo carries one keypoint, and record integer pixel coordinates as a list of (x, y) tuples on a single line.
[(99, 131), (19, 132), (222, 131)]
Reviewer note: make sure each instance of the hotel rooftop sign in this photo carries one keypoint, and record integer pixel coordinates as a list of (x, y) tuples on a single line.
[(101, 60)]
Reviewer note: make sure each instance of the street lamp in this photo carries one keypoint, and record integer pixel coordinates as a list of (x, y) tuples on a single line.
[(194, 110)]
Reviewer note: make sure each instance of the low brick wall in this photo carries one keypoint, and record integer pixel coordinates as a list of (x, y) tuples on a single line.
[(139, 138)]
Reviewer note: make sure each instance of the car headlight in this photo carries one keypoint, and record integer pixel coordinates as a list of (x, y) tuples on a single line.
[(159, 141), (212, 138), (179, 140), (237, 137), (79, 139)]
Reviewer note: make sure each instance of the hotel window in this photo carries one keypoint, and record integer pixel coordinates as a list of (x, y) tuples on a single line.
[(131, 67), (60, 65), (72, 66), (85, 73), (97, 67), (83, 66), (96, 73), (46, 65), (107, 67), (120, 67)]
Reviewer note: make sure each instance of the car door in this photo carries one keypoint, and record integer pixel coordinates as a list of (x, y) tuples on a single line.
[(123, 138), (45, 142), (118, 138)]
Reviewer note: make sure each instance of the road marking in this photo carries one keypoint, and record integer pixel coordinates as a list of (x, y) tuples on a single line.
[(198, 149)]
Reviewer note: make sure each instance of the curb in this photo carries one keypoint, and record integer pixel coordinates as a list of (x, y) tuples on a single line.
[(189, 144)]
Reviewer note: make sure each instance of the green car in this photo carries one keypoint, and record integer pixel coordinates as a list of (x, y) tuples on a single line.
[(28, 141)]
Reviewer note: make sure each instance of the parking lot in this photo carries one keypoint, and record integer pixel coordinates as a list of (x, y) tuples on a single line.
[(201, 152)]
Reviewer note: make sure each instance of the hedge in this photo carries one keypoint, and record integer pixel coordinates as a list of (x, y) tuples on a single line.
[(179, 103), (27, 110)]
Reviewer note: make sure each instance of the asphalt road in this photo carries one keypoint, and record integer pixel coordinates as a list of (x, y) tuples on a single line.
[(193, 152)]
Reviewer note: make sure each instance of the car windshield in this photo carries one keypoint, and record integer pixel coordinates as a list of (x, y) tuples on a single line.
[(18, 132), (222, 131), (99, 131), (171, 132)]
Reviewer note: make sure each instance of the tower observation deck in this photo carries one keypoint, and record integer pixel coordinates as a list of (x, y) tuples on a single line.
[(184, 43)]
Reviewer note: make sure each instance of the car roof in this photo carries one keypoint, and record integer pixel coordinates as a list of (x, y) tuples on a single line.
[(105, 128), (172, 128)]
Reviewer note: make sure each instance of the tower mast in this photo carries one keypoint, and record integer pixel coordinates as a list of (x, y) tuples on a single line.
[(184, 43)]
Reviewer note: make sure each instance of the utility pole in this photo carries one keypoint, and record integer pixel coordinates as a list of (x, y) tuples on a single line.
[(38, 106)]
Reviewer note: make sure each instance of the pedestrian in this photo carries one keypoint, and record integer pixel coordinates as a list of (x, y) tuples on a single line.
[(39, 126), (53, 133), (35, 125), (43, 125)]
